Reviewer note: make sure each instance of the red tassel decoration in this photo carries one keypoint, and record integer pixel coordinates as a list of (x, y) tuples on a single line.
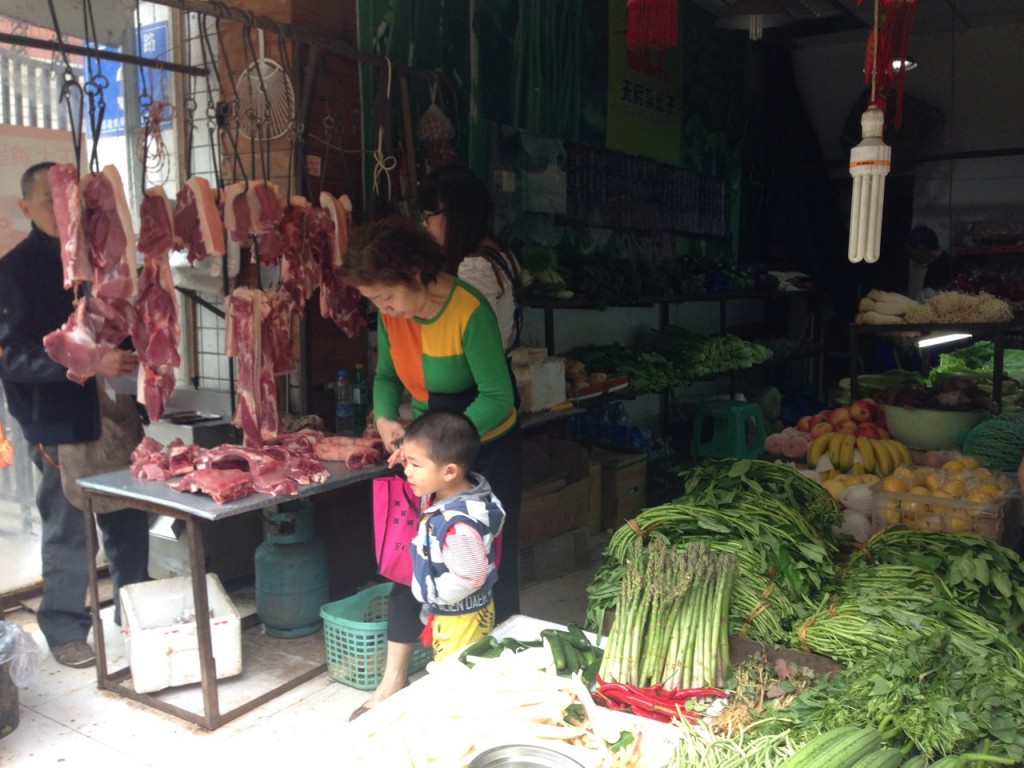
[(893, 44), (652, 24)]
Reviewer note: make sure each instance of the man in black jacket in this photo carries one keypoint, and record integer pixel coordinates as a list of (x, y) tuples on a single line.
[(53, 410)]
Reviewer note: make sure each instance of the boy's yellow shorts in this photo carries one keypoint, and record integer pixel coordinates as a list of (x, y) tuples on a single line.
[(450, 633)]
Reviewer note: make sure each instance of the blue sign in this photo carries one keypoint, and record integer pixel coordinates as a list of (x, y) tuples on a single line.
[(154, 82)]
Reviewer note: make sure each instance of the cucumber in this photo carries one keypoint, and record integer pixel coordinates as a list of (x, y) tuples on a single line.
[(886, 757), (917, 761), (949, 761), (839, 748)]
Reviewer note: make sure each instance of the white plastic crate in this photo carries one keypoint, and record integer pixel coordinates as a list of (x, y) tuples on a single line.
[(162, 649)]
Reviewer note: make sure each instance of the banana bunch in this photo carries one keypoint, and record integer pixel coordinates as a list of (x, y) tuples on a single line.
[(859, 455)]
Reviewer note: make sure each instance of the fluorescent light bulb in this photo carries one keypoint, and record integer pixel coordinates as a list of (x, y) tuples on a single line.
[(945, 338)]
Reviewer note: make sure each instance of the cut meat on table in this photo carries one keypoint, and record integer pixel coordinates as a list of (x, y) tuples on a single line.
[(356, 452), (276, 470), (222, 485)]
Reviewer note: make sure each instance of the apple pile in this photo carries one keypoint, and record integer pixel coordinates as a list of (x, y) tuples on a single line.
[(863, 419)]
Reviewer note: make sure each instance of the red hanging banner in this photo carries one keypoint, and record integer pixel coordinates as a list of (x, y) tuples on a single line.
[(652, 23)]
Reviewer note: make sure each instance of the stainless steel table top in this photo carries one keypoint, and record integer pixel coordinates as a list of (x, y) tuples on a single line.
[(158, 492)]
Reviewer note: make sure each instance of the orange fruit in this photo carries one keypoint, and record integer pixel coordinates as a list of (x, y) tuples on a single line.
[(954, 488), (894, 484)]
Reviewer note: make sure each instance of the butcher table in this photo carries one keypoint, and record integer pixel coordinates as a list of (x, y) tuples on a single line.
[(157, 497)]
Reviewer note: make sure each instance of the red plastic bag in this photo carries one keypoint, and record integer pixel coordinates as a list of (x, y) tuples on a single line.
[(396, 513)]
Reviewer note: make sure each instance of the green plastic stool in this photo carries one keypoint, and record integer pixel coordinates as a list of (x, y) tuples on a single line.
[(726, 429)]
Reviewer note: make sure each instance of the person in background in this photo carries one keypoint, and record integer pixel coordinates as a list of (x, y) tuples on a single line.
[(930, 268), (437, 337), (52, 411), (456, 209), (453, 552)]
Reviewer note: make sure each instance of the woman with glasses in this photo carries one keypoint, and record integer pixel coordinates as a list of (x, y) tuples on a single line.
[(438, 339), (456, 209)]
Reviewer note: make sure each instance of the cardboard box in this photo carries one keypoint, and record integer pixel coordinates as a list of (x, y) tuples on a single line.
[(623, 486), (163, 644), (556, 489)]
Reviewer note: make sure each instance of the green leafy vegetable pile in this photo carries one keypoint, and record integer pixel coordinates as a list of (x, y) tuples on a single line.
[(768, 515)]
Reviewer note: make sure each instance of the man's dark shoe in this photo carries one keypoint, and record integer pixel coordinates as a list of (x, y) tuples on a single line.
[(75, 654)]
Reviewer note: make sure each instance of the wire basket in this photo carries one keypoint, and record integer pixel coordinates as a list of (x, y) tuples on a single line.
[(355, 634)]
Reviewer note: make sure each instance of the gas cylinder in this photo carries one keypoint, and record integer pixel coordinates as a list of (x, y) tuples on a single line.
[(291, 573)]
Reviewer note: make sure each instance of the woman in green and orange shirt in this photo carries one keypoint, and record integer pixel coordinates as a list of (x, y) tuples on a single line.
[(438, 339)]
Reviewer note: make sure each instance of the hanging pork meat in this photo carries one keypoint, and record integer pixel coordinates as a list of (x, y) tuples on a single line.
[(338, 302), (198, 227), (155, 330), (258, 335), (98, 249)]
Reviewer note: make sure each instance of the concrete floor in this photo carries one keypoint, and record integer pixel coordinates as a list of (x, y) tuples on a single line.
[(65, 720)]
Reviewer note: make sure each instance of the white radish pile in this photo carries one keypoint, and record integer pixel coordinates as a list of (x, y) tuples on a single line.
[(883, 308)]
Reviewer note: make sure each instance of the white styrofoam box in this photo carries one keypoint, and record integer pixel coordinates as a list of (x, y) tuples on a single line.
[(541, 383), (163, 649)]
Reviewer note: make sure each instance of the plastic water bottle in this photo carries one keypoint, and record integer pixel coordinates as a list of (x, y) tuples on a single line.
[(344, 416), (360, 398)]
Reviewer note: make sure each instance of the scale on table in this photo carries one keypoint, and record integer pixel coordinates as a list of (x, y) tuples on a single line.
[(190, 417)]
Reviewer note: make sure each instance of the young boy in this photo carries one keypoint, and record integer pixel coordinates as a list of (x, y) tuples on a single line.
[(453, 553)]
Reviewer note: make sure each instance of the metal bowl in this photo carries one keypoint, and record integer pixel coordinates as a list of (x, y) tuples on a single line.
[(523, 756)]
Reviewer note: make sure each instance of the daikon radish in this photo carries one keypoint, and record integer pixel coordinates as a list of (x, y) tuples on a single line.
[(896, 308), (877, 318), (877, 294)]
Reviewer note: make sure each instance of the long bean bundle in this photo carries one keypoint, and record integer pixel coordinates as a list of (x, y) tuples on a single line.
[(884, 607), (979, 572)]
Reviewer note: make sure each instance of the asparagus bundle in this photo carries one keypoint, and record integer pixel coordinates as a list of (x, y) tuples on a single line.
[(671, 621)]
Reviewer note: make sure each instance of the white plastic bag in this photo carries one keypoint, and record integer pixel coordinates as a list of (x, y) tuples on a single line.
[(18, 647)]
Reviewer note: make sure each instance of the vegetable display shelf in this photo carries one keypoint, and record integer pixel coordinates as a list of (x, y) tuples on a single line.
[(997, 332), (814, 350)]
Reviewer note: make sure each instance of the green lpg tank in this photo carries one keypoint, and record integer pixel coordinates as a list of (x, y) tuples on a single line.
[(291, 573)]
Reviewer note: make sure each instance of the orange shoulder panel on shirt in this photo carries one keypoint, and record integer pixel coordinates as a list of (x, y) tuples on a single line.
[(405, 338)]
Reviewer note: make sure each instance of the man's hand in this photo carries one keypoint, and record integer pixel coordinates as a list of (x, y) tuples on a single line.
[(117, 362)]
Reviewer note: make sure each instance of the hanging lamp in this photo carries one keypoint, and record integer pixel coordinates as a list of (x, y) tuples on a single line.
[(754, 16), (652, 24), (871, 159)]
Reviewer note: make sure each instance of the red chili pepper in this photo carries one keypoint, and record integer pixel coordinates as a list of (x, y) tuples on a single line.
[(644, 703), (682, 694)]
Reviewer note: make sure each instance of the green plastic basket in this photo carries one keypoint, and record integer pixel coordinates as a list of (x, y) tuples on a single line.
[(355, 633)]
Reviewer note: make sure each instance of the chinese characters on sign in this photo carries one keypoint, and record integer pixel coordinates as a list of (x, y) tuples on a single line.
[(152, 45), (646, 103)]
